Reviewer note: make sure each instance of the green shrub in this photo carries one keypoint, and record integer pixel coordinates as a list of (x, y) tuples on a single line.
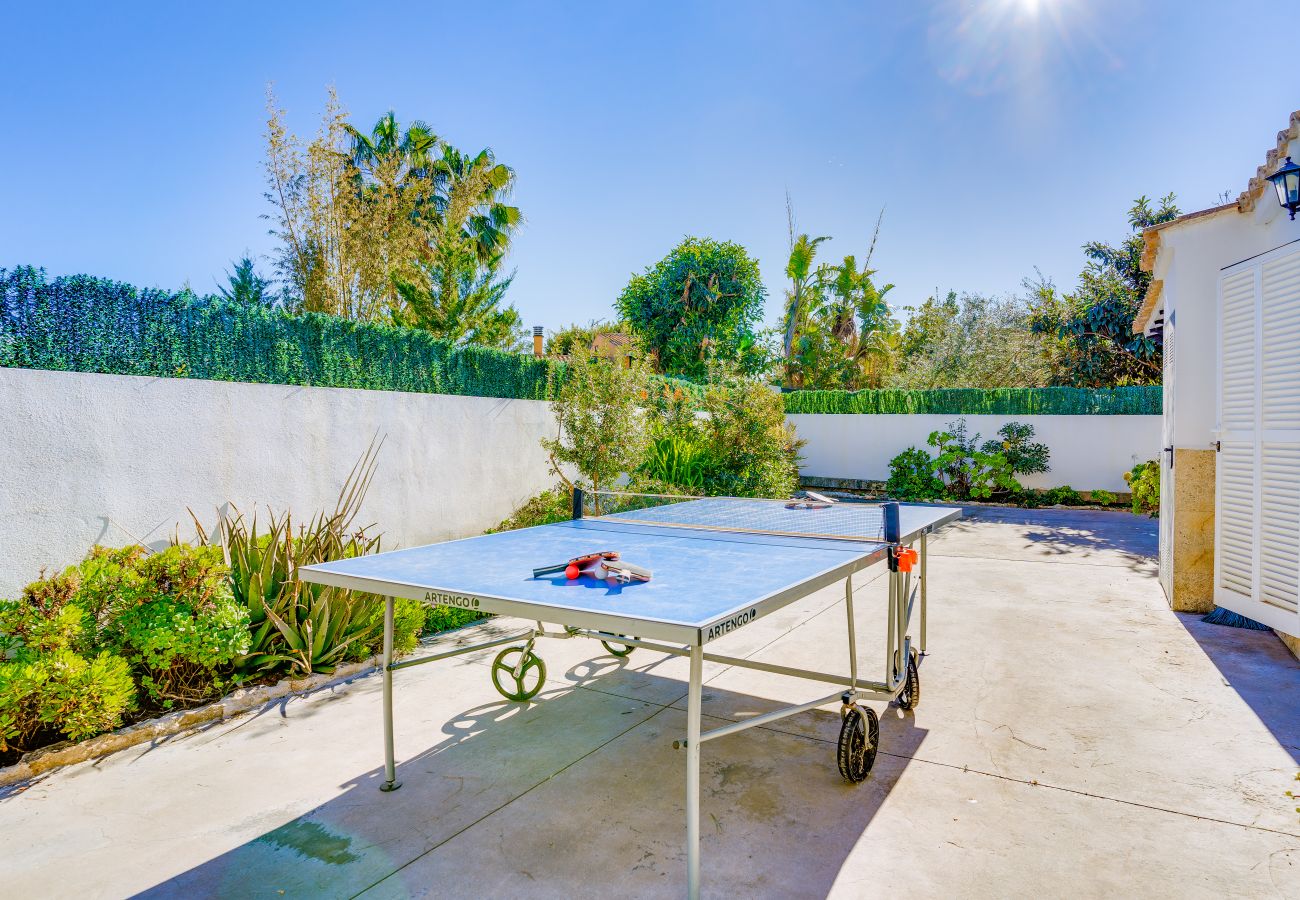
[(438, 619), (1062, 496), (1029, 498), (1144, 482), (181, 627), (46, 618), (676, 459), (911, 476), (54, 694), (1026, 457), (749, 449), (49, 689), (1141, 400), (1104, 498), (551, 505), (969, 472), (408, 625)]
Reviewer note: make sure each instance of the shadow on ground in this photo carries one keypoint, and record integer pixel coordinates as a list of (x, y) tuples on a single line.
[(1079, 535), (1258, 666), (494, 784)]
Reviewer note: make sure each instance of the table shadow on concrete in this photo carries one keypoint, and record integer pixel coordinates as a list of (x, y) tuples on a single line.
[(605, 812)]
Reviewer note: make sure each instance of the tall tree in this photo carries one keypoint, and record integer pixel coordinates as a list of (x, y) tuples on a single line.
[(803, 293), (346, 230), (245, 286), (393, 224), (1094, 323), (973, 342), (471, 201), (460, 287), (701, 301), (462, 305), (842, 331)]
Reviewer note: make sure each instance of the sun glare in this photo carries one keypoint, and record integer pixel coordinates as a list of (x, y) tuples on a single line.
[(989, 46)]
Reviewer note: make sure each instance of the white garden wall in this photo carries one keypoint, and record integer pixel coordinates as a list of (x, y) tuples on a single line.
[(112, 459), (1088, 452)]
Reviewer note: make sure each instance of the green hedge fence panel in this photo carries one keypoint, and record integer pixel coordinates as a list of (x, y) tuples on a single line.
[(1143, 400), (84, 324)]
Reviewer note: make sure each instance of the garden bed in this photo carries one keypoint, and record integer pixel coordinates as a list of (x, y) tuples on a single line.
[(245, 699)]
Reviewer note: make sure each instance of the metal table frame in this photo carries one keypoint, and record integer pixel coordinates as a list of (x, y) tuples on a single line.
[(905, 591)]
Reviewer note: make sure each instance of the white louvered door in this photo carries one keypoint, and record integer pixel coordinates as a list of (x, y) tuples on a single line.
[(1257, 526)]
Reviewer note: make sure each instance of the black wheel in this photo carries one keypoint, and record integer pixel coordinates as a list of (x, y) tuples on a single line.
[(910, 696), (518, 688), (618, 649), (859, 738)]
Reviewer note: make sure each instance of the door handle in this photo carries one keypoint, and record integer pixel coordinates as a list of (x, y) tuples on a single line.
[(1170, 451)]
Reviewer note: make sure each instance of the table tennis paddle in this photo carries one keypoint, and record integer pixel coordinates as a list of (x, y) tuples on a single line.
[(577, 564), (624, 571)]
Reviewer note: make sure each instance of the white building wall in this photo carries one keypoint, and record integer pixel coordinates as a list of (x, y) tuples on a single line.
[(1088, 452), (1191, 256), (112, 459)]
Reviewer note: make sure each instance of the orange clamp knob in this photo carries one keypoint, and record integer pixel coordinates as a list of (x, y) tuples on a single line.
[(906, 557)]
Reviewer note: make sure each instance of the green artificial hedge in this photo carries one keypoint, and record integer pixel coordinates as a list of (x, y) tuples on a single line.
[(1144, 400), (83, 324)]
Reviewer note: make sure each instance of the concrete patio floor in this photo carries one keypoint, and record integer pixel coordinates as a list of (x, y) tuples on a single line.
[(1074, 738)]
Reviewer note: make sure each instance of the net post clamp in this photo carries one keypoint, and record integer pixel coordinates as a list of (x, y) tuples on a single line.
[(901, 559)]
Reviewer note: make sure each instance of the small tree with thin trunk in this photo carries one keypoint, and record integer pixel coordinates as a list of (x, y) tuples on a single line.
[(602, 430)]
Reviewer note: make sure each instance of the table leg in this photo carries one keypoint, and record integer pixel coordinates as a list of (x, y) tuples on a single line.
[(693, 697), (390, 769), (925, 556)]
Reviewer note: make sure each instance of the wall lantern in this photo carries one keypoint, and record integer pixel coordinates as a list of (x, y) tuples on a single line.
[(1287, 182)]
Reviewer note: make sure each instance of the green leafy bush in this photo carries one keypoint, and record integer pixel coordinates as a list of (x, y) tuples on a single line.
[(1027, 457), (603, 433), (551, 505), (749, 448), (911, 476), (408, 625), (1029, 498), (53, 694), (1062, 496), (966, 470), (1142, 400), (446, 618), (83, 324), (170, 615), (1104, 498), (46, 618), (184, 630), (1144, 483), (49, 688)]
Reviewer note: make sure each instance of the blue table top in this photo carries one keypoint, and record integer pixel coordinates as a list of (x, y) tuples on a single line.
[(699, 577)]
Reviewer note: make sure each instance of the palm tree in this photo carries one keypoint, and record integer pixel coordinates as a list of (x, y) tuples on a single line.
[(470, 201), (803, 294), (414, 149)]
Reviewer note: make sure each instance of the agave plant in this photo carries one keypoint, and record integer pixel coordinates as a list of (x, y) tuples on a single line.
[(308, 627)]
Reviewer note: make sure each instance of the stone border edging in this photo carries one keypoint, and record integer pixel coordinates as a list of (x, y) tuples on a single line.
[(38, 762)]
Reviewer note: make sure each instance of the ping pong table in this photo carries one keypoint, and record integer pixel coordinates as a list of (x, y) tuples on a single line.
[(718, 564)]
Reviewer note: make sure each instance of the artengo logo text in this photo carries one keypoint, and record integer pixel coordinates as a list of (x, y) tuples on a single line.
[(438, 598), (721, 628)]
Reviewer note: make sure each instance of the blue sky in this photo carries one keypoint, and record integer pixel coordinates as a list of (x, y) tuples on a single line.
[(998, 135)]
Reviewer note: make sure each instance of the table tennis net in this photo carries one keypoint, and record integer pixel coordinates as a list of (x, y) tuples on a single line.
[(795, 518)]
